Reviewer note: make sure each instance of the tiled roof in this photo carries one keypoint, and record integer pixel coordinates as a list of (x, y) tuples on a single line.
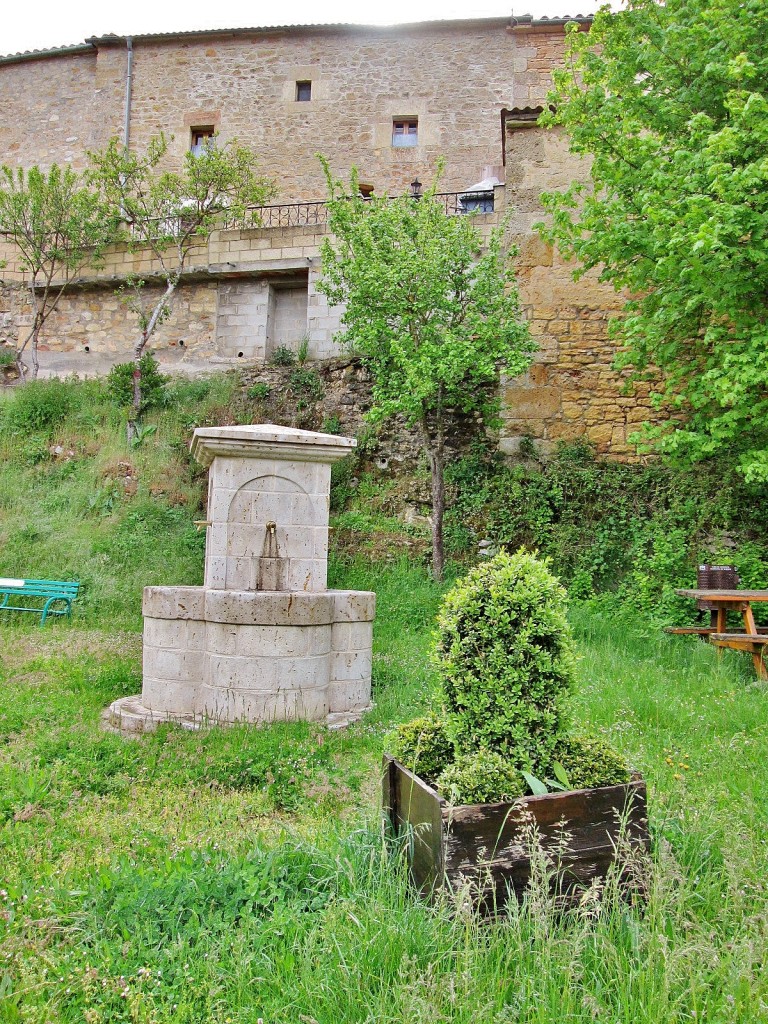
[(56, 51), (93, 43)]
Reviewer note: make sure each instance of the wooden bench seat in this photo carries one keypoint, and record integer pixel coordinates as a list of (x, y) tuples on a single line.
[(752, 643), (50, 595), (706, 631), (740, 641)]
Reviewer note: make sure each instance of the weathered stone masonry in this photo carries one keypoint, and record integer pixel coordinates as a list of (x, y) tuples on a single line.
[(463, 83)]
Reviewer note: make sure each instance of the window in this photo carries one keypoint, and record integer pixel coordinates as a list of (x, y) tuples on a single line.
[(405, 133), (202, 138), (476, 202), (303, 92)]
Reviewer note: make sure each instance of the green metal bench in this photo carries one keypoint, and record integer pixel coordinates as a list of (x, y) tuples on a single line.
[(50, 593)]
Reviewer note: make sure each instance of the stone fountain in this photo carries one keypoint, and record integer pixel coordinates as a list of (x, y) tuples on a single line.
[(263, 639)]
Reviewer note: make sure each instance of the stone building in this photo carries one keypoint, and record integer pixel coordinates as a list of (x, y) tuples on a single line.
[(391, 101)]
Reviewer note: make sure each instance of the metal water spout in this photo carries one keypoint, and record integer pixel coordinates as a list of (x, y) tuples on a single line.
[(271, 569)]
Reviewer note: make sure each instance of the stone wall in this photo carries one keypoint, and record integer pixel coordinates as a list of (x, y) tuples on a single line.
[(92, 329), (246, 293), (453, 77), (571, 390)]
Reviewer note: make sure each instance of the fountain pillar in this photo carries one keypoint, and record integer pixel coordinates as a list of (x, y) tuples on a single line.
[(263, 639)]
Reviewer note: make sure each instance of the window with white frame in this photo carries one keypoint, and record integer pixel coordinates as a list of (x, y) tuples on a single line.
[(405, 132), (201, 138)]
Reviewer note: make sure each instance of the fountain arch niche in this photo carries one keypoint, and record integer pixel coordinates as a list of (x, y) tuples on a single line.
[(263, 639)]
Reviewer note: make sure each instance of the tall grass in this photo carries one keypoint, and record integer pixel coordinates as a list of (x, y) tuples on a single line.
[(77, 503), (242, 874)]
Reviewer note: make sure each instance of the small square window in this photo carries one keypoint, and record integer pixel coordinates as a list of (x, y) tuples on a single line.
[(405, 133), (303, 92), (201, 139)]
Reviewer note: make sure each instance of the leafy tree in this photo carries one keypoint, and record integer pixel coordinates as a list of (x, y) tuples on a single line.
[(433, 314), (58, 226), (670, 102), (170, 213)]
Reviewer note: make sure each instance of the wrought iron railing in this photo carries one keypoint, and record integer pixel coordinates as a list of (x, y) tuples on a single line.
[(309, 214), (296, 215), (285, 215)]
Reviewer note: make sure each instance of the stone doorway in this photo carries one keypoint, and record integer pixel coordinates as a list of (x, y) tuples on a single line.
[(287, 316)]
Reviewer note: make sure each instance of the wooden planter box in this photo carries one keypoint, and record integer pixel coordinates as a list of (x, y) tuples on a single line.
[(489, 845)]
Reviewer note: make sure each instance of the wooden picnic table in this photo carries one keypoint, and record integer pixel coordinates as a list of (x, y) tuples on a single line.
[(752, 639)]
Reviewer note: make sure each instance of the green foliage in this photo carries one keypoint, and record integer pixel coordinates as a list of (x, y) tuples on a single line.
[(141, 432), (484, 776), (303, 351), (7, 356), (75, 504), (306, 385), (331, 424), (432, 314), (421, 745), (202, 399), (282, 356), (136, 889), (38, 406), (589, 762), (153, 383), (503, 651), (259, 391), (288, 879), (635, 530), (178, 209), (58, 225), (342, 475), (346, 472), (670, 103)]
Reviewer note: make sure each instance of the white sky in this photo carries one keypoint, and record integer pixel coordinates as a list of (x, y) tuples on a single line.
[(47, 23)]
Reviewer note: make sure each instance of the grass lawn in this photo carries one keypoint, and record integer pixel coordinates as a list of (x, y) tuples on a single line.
[(241, 874)]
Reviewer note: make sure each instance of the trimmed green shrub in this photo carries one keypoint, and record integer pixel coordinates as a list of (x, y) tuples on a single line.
[(503, 651), (39, 405), (589, 762), (153, 383), (422, 746), (504, 654), (482, 777)]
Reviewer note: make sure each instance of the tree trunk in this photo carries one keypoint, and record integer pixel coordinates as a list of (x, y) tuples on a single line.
[(159, 313), (435, 445), (135, 410), (35, 337), (437, 464)]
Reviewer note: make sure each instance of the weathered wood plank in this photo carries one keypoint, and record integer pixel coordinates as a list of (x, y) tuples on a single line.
[(416, 814), (491, 845), (590, 818)]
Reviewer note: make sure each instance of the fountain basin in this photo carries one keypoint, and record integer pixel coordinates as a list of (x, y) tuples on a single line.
[(263, 640)]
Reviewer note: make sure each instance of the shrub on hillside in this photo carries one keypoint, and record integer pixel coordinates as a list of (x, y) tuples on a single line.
[(282, 356), (153, 383), (39, 405)]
